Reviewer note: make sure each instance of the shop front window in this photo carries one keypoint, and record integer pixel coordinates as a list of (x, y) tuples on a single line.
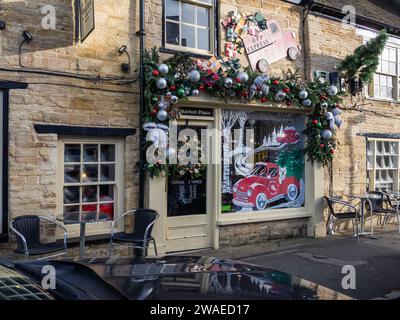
[(262, 160)]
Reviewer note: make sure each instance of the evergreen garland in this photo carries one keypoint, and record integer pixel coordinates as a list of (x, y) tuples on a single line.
[(319, 96), (365, 59)]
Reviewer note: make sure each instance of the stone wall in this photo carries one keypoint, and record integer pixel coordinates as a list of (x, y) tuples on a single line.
[(253, 233), (54, 99)]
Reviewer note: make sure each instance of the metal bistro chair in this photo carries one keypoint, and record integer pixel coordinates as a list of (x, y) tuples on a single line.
[(393, 201), (378, 200), (142, 228), (27, 230), (334, 216)]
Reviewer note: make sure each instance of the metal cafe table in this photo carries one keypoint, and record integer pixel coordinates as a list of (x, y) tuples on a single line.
[(83, 218), (363, 200)]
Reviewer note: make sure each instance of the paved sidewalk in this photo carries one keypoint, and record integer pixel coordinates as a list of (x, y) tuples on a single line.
[(376, 261)]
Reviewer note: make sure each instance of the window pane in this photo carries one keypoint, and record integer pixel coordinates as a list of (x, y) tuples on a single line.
[(90, 173), (72, 153), (107, 172), (90, 153), (188, 13), (203, 39), (385, 67), (71, 213), (89, 194), (392, 68), (188, 34), (71, 173), (89, 212), (107, 152), (108, 209), (393, 55), (172, 10), (172, 33), (202, 16), (107, 193), (71, 195), (206, 1)]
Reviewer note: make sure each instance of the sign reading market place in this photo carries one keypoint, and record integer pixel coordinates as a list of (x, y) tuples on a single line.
[(197, 112)]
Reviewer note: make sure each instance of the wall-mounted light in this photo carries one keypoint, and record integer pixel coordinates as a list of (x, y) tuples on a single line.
[(2, 25), (125, 67), (27, 36)]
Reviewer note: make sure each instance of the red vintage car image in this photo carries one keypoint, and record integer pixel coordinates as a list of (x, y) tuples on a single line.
[(265, 184)]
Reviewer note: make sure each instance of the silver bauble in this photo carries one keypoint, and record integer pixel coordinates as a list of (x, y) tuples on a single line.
[(228, 82), (187, 92), (303, 94), (326, 134), (324, 105), (329, 115), (195, 92), (307, 103), (280, 95), (242, 77), (265, 89), (161, 83), (162, 105), (162, 115), (332, 90), (194, 76), (336, 111), (174, 99), (163, 68), (177, 76), (338, 121)]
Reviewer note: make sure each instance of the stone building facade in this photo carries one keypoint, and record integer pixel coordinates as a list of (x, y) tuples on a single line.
[(80, 85)]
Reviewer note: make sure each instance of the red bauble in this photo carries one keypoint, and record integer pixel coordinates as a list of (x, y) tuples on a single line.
[(172, 88), (286, 90), (237, 80), (315, 122), (275, 82), (288, 103), (332, 151), (155, 73), (264, 99), (153, 113), (245, 94), (322, 145), (201, 88), (322, 98)]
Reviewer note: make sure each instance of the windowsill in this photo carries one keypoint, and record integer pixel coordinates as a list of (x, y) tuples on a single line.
[(191, 54), (251, 217), (383, 100)]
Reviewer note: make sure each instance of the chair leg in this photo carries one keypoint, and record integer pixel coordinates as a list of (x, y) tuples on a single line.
[(110, 248), (155, 247)]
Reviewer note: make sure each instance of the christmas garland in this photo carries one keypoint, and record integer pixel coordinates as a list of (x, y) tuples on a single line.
[(180, 77)]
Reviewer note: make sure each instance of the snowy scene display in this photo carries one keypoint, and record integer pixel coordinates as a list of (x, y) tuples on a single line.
[(268, 174)]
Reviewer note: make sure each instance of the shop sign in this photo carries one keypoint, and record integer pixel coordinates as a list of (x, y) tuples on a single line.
[(197, 112), (86, 13)]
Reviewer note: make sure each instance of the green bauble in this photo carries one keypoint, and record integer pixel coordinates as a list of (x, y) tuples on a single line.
[(181, 92), (319, 125), (238, 86), (154, 99)]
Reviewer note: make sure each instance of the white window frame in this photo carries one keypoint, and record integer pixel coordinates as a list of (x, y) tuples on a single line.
[(96, 228), (382, 158), (198, 3)]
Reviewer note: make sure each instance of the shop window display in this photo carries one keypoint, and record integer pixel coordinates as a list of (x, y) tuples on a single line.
[(263, 161)]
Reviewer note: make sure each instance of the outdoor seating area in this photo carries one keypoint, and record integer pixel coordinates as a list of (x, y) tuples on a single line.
[(27, 230), (380, 207)]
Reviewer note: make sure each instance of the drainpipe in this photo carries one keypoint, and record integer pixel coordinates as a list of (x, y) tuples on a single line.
[(141, 33)]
